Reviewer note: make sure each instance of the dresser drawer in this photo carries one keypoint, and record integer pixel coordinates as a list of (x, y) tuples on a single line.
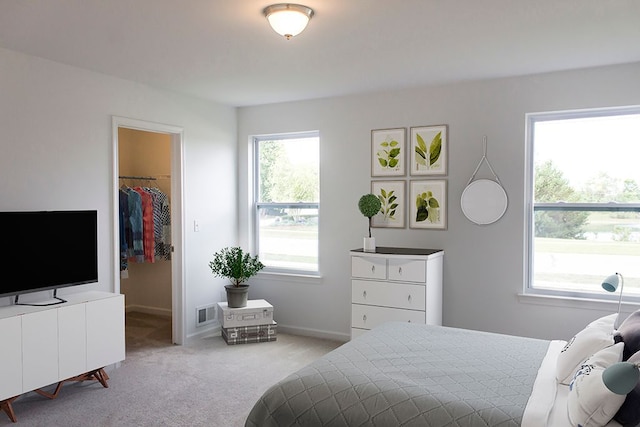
[(369, 267), (368, 316), (408, 270), (397, 295)]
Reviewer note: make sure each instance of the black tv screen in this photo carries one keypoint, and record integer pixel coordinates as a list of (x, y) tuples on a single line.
[(44, 250)]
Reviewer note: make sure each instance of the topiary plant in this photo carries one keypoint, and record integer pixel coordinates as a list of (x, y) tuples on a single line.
[(235, 265), (369, 205)]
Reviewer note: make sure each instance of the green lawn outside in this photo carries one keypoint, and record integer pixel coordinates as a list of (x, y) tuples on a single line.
[(544, 244), (288, 245), (605, 222), (305, 232), (628, 265)]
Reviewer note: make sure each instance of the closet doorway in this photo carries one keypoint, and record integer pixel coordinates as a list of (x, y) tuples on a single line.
[(148, 160)]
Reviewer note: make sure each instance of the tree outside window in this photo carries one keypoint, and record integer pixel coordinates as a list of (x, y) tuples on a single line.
[(585, 198), (287, 201)]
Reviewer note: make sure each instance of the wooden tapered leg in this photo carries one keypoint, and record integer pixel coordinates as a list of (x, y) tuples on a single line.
[(102, 376), (50, 395), (97, 375), (5, 406)]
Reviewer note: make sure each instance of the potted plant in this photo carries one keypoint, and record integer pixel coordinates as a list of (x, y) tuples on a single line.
[(369, 205), (237, 266)]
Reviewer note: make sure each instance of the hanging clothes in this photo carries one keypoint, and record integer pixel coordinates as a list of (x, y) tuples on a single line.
[(161, 223), (148, 233), (136, 251), (145, 225), (125, 228)]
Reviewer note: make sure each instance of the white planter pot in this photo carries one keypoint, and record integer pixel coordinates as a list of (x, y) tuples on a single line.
[(369, 244)]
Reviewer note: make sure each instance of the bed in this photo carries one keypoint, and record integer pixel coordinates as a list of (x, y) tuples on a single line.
[(404, 374)]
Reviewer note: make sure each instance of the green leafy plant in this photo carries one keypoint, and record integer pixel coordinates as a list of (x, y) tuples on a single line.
[(427, 207), (235, 264), (433, 151), (369, 206), (388, 156), (388, 202)]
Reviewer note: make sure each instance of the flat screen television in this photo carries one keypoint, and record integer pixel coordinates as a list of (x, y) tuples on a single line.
[(45, 250)]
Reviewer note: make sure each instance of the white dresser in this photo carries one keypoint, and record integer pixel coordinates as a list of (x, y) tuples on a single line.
[(399, 284)]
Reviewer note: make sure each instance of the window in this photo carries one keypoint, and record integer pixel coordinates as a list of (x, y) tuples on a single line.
[(584, 202), (287, 201)]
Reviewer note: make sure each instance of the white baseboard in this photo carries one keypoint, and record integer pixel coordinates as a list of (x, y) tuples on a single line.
[(316, 333), (214, 330)]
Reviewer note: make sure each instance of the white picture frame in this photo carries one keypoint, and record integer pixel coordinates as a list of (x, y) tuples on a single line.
[(429, 150), (388, 147), (392, 196), (428, 204)]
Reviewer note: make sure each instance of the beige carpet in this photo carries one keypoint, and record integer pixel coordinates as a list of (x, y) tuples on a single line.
[(204, 383)]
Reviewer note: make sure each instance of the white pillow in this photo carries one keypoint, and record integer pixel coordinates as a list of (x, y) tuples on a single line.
[(605, 322), (596, 336), (590, 403)]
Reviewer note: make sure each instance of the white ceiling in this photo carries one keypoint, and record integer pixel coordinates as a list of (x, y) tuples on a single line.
[(224, 50)]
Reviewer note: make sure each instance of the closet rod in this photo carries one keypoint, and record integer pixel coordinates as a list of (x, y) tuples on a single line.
[(149, 178)]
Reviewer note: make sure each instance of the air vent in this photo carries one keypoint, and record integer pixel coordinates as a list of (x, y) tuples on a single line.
[(205, 314)]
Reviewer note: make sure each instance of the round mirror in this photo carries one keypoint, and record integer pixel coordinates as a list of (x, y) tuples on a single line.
[(484, 201)]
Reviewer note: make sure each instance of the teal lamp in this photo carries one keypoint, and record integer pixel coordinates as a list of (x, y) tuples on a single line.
[(621, 377), (610, 284)]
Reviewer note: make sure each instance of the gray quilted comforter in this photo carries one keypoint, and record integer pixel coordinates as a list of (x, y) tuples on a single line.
[(403, 374)]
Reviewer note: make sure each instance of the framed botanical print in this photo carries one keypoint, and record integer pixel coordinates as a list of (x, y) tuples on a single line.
[(388, 148), (428, 150), (428, 204), (392, 197)]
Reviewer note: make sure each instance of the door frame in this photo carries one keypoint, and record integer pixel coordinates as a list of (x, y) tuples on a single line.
[(178, 323)]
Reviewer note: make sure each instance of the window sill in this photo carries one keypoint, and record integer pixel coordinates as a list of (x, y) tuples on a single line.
[(573, 302), (274, 276)]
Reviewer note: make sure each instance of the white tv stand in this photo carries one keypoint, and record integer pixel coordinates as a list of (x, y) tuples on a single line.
[(74, 341)]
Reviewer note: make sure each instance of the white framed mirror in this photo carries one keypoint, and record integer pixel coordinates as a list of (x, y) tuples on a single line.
[(484, 201)]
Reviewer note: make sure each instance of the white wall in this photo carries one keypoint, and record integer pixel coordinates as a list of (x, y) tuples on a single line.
[(483, 265), (56, 153)]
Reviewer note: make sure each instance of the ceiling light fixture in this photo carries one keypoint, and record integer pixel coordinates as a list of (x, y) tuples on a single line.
[(288, 19)]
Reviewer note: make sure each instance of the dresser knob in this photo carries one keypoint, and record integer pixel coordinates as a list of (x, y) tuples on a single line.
[(364, 318), (364, 294), (409, 298), (373, 268), (408, 321), (400, 271)]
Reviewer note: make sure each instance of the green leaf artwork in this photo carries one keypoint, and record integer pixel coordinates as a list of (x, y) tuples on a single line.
[(389, 203), (427, 208), (389, 154), (434, 150)]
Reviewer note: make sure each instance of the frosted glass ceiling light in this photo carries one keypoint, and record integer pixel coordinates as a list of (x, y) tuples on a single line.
[(288, 19)]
